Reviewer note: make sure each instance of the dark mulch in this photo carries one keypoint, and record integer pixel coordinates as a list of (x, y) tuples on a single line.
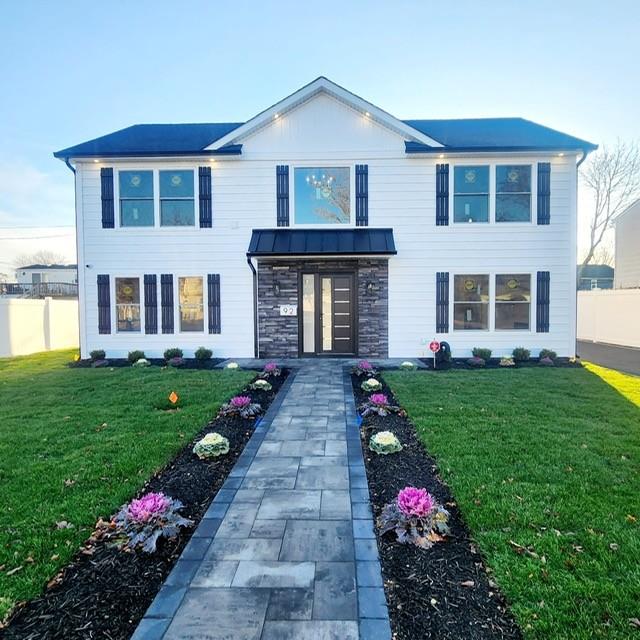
[(105, 592), (494, 363), (189, 363), (426, 590)]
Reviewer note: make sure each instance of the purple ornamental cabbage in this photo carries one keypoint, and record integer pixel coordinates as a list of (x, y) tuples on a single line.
[(364, 368), (150, 505), (241, 406), (415, 502), (378, 404), (270, 369)]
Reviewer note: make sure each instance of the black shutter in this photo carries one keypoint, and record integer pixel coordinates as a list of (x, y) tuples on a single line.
[(204, 180), (166, 295), (106, 193), (442, 302), (150, 303), (362, 195), (442, 195), (282, 191), (213, 284), (104, 304), (542, 302), (544, 192)]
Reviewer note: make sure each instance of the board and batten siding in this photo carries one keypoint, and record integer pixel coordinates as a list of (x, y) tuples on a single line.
[(325, 132)]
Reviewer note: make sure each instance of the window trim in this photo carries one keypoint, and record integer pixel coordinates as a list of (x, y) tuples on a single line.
[(530, 271), (492, 164), (530, 192), (452, 191), (157, 227), (195, 199), (177, 327), (116, 186), (496, 302), (352, 195), (114, 306)]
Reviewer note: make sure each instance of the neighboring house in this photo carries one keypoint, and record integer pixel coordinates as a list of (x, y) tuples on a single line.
[(326, 226), (595, 276), (627, 226), (37, 273)]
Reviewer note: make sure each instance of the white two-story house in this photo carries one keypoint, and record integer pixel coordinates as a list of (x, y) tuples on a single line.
[(326, 226)]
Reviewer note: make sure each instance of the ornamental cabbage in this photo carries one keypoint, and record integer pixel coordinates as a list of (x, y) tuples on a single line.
[(261, 385), (384, 442), (232, 365), (211, 446), (241, 406), (141, 362), (371, 384), (270, 369), (407, 366), (364, 368)]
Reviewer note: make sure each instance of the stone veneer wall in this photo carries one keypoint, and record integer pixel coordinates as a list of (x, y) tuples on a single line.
[(278, 335)]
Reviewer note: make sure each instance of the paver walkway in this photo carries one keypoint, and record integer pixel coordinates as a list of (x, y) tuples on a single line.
[(287, 549)]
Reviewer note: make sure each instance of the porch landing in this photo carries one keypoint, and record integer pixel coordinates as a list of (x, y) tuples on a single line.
[(300, 363), (287, 550)]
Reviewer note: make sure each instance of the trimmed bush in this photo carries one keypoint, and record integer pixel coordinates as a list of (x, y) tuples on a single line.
[(520, 354), (547, 353), (202, 354), (480, 352), (97, 354), (174, 352), (134, 356)]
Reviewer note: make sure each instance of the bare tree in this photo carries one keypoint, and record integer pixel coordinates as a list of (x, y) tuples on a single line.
[(613, 177), (43, 256), (603, 255)]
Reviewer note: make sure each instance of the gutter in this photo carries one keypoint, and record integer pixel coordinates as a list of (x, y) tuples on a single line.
[(255, 306), (66, 161)]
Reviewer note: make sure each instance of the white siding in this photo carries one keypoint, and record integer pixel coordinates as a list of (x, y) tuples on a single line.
[(47, 275), (627, 273), (401, 195)]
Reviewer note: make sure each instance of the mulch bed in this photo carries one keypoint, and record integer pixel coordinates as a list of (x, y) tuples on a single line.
[(494, 363), (189, 363), (444, 592), (105, 592)]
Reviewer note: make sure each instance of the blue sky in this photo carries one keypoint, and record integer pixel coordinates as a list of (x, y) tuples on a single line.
[(75, 70)]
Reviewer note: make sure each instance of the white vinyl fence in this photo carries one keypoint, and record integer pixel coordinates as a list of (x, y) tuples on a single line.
[(28, 326), (611, 316)]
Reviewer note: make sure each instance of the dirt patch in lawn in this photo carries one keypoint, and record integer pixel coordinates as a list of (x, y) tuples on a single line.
[(442, 593), (105, 592)]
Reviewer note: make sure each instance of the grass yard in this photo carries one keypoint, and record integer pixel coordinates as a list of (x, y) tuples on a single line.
[(77, 443), (548, 459)]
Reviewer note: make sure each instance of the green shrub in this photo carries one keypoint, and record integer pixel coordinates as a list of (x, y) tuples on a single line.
[(479, 352), (174, 352), (136, 355), (202, 354), (520, 354), (97, 354), (547, 353)]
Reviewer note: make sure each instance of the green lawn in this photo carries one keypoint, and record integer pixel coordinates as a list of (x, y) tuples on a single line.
[(77, 443), (550, 460)]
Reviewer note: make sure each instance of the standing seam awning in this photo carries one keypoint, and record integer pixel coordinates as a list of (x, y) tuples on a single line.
[(361, 241)]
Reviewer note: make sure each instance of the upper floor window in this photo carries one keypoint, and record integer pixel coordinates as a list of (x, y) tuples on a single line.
[(322, 195), (128, 304), (471, 302), (177, 199), (136, 198), (513, 301), (471, 194), (191, 300), (513, 193)]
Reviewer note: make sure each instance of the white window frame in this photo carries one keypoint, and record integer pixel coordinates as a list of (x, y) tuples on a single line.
[(492, 164), (452, 289), (352, 194), (176, 304), (530, 303), (156, 199), (533, 209), (196, 200), (114, 306)]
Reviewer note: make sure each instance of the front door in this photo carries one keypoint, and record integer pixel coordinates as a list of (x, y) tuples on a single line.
[(328, 314)]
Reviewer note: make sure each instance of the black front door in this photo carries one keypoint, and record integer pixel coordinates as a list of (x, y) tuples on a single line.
[(328, 314)]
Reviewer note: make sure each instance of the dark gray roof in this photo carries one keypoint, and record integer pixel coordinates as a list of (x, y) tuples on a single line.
[(317, 242), (49, 266)]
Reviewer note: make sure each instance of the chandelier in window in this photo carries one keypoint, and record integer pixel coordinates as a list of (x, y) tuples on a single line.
[(322, 184)]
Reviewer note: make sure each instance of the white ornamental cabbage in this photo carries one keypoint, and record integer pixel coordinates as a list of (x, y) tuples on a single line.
[(211, 446), (407, 366), (233, 365), (371, 384)]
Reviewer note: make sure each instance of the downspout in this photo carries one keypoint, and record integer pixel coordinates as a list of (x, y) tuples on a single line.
[(255, 306), (66, 161)]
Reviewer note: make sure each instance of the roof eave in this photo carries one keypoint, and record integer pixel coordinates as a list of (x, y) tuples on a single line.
[(321, 254), (229, 150), (413, 148)]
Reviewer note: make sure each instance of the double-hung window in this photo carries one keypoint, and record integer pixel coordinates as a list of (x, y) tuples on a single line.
[(128, 304), (136, 198), (471, 302), (177, 199), (513, 301), (513, 193), (191, 301), (471, 194)]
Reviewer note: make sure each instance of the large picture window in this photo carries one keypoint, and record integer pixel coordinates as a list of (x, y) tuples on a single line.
[(471, 194), (128, 304), (322, 195), (191, 302), (177, 199), (471, 302), (513, 193), (136, 198), (513, 301)]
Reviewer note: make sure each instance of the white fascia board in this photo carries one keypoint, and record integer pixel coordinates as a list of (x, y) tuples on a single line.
[(322, 85)]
